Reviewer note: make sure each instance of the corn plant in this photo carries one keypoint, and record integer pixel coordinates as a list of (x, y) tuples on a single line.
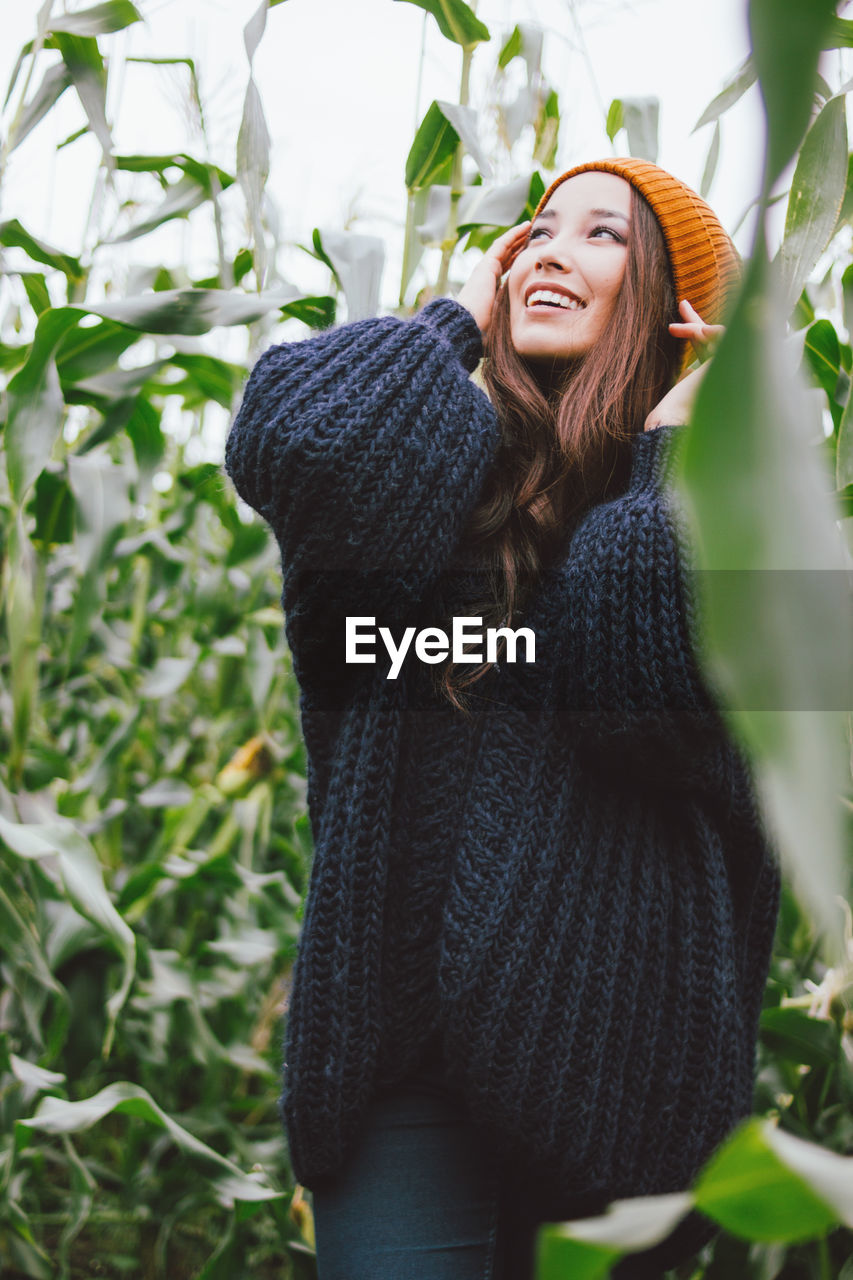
[(155, 842)]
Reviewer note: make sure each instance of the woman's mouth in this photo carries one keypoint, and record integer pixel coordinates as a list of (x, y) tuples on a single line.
[(550, 298)]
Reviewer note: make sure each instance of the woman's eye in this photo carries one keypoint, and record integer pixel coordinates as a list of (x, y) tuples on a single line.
[(610, 232), (535, 232)]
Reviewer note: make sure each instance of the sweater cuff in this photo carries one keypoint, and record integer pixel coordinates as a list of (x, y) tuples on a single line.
[(454, 322), (654, 456)]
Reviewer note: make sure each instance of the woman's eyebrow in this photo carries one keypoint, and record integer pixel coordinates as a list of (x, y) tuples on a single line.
[(597, 213), (610, 213)]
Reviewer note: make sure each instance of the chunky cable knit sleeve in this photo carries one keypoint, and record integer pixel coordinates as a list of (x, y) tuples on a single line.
[(636, 683), (364, 448)]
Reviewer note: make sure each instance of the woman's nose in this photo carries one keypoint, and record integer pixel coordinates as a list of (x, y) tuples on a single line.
[(555, 256)]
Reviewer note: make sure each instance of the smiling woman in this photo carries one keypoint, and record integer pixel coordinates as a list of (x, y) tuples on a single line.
[(542, 900), (564, 281)]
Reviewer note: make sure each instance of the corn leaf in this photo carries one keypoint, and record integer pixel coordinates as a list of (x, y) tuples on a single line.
[(35, 407), (787, 36), (84, 886), (100, 20), (56, 1116), (732, 92), (753, 1191), (778, 611), (54, 83), (456, 20), (814, 203), (82, 57), (194, 311)]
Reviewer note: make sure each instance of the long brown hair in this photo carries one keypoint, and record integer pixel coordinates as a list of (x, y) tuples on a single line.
[(565, 434)]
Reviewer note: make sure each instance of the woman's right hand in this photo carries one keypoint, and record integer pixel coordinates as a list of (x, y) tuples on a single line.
[(480, 290)]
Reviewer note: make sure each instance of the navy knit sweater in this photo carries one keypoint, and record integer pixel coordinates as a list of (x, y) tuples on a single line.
[(573, 886)]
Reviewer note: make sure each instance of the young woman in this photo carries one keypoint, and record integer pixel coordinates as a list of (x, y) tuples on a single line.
[(542, 898)]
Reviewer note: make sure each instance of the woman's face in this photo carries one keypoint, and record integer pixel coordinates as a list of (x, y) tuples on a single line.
[(577, 249)]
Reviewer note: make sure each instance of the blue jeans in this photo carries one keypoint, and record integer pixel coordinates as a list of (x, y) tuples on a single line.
[(421, 1198)]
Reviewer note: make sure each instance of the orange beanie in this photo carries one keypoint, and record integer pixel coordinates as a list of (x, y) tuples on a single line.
[(705, 264)]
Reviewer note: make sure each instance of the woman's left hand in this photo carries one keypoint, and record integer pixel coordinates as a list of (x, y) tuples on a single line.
[(674, 409)]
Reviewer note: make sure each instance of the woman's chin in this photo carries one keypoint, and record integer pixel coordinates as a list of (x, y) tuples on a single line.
[(547, 361)]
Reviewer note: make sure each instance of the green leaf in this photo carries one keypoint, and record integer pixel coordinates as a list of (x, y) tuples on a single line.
[(641, 118), (21, 942), (501, 206), (198, 169), (14, 235), (87, 351), (559, 1257), (253, 167), (513, 117), (511, 49), (13, 357), (114, 391), (525, 42), (434, 146), (253, 145), (732, 92), (839, 35), (790, 1033), (146, 435), (167, 676), (56, 80), (199, 183), (194, 311), (534, 195), (242, 264), (752, 1191), (102, 506), (100, 20), (318, 313), (56, 1116), (35, 407), (814, 203), (82, 57), (73, 136), (215, 379), (615, 118), (830, 1176), (456, 20), (435, 143), (709, 172), (787, 37), (181, 198), (629, 1226), (83, 882), (23, 54), (823, 354), (36, 289), (33, 1076), (52, 505), (777, 626), (803, 314), (483, 236), (844, 446), (464, 121), (547, 132), (358, 262)]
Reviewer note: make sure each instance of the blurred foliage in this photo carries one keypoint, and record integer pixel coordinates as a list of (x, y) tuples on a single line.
[(155, 844)]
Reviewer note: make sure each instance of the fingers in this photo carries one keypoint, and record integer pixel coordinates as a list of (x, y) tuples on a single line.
[(507, 246), (693, 329)]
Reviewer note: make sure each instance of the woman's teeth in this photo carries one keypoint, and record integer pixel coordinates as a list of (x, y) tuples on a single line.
[(558, 299)]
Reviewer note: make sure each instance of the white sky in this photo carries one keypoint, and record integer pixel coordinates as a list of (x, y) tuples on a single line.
[(338, 80)]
